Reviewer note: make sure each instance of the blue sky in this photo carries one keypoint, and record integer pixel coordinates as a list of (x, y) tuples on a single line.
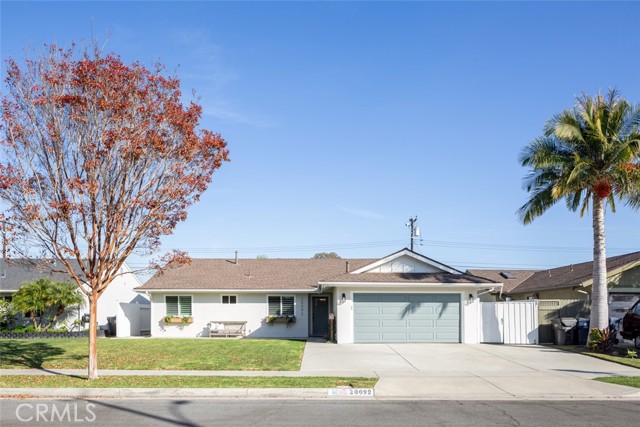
[(345, 119)]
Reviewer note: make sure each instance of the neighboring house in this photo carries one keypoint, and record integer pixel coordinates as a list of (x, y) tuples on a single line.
[(16, 272), (565, 291), (404, 297)]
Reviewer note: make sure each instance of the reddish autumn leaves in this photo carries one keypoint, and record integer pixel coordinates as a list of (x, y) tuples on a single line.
[(100, 157)]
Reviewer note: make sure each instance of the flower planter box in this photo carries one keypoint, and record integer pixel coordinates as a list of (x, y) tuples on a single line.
[(280, 320), (178, 321)]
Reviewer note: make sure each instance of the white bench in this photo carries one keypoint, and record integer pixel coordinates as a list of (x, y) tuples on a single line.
[(227, 328)]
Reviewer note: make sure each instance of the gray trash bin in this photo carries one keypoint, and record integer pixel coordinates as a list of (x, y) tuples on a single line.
[(111, 326), (564, 329)]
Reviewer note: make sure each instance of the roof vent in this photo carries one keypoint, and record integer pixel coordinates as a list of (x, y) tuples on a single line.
[(507, 275)]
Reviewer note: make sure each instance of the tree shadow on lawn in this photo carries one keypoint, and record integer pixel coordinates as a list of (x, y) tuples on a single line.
[(24, 354)]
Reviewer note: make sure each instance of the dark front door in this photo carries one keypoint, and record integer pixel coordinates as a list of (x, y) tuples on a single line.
[(320, 316)]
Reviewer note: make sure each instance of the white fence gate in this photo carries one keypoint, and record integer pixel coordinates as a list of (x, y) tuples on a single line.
[(133, 320), (510, 322)]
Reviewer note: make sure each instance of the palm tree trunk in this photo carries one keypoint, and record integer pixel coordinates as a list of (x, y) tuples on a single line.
[(599, 293), (93, 335)]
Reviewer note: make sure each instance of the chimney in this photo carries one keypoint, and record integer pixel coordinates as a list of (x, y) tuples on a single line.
[(236, 261), (347, 267)]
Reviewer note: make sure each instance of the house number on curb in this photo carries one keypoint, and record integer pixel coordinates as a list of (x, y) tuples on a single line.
[(351, 392)]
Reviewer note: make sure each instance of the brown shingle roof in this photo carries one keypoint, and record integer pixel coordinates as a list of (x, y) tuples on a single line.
[(408, 278), (509, 284), (251, 274), (571, 275)]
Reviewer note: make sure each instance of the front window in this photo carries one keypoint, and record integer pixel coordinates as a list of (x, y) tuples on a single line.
[(229, 299), (178, 305), (281, 305)]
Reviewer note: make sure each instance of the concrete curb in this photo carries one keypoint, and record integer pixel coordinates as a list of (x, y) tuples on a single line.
[(175, 393)]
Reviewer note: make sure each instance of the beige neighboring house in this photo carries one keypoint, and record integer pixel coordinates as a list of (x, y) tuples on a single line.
[(573, 282), (403, 297)]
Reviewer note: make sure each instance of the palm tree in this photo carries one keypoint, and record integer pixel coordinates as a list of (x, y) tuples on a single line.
[(589, 155), (43, 297), (62, 295), (31, 300)]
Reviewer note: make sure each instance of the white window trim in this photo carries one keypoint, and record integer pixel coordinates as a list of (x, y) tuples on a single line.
[(178, 295), (295, 303), (228, 295)]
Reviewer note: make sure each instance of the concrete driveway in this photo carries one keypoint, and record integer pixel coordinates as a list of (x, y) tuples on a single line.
[(460, 371)]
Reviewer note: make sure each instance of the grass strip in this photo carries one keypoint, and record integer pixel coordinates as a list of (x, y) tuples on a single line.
[(628, 381), (623, 360), (170, 381), (155, 353)]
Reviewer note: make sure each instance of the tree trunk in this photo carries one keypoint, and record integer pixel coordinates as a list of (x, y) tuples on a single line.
[(599, 293), (93, 335)]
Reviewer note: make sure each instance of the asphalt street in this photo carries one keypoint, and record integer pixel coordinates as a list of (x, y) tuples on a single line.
[(315, 413)]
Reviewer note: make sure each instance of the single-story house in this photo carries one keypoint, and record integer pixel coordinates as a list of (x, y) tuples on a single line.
[(16, 272), (403, 297), (573, 282)]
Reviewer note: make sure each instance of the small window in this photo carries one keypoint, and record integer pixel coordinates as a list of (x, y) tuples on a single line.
[(281, 305), (229, 299), (178, 305)]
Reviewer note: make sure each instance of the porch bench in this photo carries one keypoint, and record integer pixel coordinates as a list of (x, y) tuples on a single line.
[(229, 328)]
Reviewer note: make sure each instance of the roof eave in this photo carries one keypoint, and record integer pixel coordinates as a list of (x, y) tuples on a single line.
[(231, 291), (412, 284)]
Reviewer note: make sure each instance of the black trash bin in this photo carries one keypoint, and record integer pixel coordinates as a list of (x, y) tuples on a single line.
[(564, 328), (582, 329), (111, 326)]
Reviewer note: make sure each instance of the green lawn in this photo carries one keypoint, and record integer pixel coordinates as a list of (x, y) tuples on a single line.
[(155, 353), (64, 381), (628, 381), (623, 360)]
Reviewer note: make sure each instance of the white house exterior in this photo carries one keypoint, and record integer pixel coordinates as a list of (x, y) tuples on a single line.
[(16, 272), (404, 297)]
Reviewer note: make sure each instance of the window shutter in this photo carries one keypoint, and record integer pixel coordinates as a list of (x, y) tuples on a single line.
[(172, 305), (185, 305), (287, 306), (274, 306)]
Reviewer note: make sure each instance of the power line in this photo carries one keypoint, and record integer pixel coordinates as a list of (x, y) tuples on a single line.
[(396, 243)]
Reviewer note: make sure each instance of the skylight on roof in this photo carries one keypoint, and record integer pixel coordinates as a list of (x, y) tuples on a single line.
[(507, 275)]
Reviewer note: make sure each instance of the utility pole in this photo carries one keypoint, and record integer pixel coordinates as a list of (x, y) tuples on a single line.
[(414, 230)]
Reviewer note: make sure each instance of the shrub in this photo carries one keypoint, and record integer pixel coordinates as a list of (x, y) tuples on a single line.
[(602, 340)]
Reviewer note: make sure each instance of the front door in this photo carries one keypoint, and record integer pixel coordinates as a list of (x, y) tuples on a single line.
[(320, 315)]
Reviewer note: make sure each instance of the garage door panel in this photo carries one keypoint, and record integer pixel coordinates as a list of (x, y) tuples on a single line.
[(421, 323), (392, 298), (369, 309), (394, 337), (420, 298), (393, 323), (421, 337), (406, 318), (368, 323)]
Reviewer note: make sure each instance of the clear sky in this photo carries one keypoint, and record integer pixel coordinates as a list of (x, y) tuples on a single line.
[(345, 119)]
